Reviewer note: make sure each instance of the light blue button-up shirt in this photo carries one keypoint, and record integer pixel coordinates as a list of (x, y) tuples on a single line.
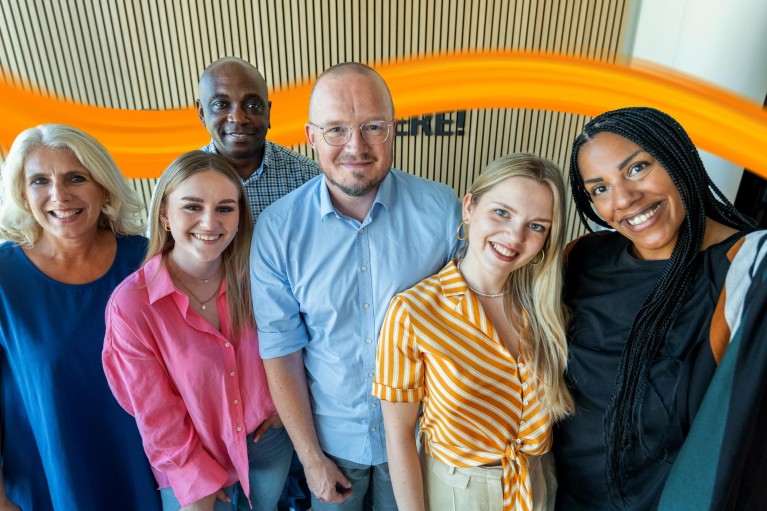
[(322, 283)]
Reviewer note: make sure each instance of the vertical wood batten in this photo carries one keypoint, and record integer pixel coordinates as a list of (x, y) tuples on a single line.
[(139, 54)]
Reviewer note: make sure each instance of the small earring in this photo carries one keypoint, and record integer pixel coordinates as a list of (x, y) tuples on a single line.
[(465, 225), (26, 204), (543, 258), (166, 226)]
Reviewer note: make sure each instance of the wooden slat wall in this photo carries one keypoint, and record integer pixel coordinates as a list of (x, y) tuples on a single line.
[(147, 54)]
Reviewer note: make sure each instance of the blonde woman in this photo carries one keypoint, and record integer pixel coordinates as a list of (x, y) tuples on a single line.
[(481, 348), (72, 224), (181, 350)]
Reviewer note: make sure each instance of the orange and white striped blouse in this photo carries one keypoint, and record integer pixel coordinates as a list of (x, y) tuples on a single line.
[(479, 403)]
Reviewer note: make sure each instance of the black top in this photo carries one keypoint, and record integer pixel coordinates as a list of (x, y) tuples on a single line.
[(604, 288)]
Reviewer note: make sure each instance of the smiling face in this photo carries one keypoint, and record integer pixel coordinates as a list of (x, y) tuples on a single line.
[(234, 107), (63, 196), (633, 193), (203, 214), (508, 226), (351, 98)]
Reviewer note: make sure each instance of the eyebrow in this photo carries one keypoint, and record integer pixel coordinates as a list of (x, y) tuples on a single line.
[(197, 199), (619, 166), (628, 159), (248, 97), (66, 173), (506, 206)]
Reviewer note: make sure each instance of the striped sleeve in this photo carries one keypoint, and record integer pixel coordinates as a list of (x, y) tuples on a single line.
[(719, 332), (399, 367)]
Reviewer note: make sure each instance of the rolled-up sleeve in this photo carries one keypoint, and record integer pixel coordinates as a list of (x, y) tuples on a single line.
[(399, 367), (140, 382), (281, 330)]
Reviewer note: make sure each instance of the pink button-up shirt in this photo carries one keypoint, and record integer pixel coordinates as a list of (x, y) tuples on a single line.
[(195, 392)]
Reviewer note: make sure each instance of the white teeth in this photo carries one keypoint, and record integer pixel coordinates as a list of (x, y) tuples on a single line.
[(640, 219), (65, 214), (501, 250), (204, 237)]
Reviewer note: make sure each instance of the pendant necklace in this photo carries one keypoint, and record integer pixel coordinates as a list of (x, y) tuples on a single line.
[(189, 291)]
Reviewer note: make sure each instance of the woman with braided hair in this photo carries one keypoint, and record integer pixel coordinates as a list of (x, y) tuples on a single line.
[(646, 334)]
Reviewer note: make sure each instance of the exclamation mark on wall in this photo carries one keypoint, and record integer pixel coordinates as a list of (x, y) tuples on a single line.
[(460, 122)]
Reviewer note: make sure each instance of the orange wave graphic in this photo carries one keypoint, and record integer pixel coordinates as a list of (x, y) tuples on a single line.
[(719, 121)]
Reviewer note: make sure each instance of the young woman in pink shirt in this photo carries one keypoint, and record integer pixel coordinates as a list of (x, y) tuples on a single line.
[(181, 350)]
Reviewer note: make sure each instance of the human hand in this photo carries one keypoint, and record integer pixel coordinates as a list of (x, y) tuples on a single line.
[(273, 422), (325, 480), (207, 503)]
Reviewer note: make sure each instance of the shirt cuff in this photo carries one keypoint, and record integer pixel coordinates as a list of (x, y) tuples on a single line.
[(199, 477), (386, 393), (279, 344)]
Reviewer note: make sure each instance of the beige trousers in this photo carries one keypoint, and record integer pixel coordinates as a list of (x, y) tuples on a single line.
[(449, 488)]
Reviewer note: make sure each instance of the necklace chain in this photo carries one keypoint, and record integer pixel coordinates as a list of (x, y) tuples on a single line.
[(476, 291), (189, 291), (204, 279)]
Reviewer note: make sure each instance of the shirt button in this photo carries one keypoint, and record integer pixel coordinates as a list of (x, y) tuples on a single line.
[(524, 385), (361, 231), (519, 441), (523, 422), (240, 429), (373, 405), (366, 306), (227, 345), (370, 374), (373, 429), (525, 402), (364, 268), (231, 374), (368, 340), (236, 401)]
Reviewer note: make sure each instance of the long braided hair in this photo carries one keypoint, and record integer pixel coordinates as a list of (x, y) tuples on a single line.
[(665, 139)]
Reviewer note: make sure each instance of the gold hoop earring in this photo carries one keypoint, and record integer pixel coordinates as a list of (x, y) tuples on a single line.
[(465, 226), (166, 227), (543, 258)]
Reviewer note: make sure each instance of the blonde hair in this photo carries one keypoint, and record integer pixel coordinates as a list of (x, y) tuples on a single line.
[(122, 211), (235, 256), (536, 289)]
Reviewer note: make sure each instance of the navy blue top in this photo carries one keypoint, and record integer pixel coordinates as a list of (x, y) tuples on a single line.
[(66, 443)]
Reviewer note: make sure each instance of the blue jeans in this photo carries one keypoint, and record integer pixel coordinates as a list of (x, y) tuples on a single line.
[(366, 479), (269, 461)]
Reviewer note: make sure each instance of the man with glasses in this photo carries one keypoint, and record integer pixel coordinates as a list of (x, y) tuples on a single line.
[(325, 262)]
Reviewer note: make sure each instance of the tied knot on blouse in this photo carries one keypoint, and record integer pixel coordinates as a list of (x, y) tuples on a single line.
[(517, 490)]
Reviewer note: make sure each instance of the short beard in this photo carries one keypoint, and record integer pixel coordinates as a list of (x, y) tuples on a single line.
[(356, 191)]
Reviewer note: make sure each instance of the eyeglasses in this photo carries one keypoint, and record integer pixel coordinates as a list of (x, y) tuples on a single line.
[(374, 132)]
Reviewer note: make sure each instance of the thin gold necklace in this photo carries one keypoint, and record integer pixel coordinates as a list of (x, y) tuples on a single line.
[(476, 291), (204, 279), (189, 292)]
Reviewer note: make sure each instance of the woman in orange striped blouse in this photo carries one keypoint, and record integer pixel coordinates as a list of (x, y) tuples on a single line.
[(481, 346)]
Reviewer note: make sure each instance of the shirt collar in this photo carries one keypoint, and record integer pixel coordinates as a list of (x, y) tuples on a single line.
[(268, 150), (158, 281), (452, 281), (384, 196)]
